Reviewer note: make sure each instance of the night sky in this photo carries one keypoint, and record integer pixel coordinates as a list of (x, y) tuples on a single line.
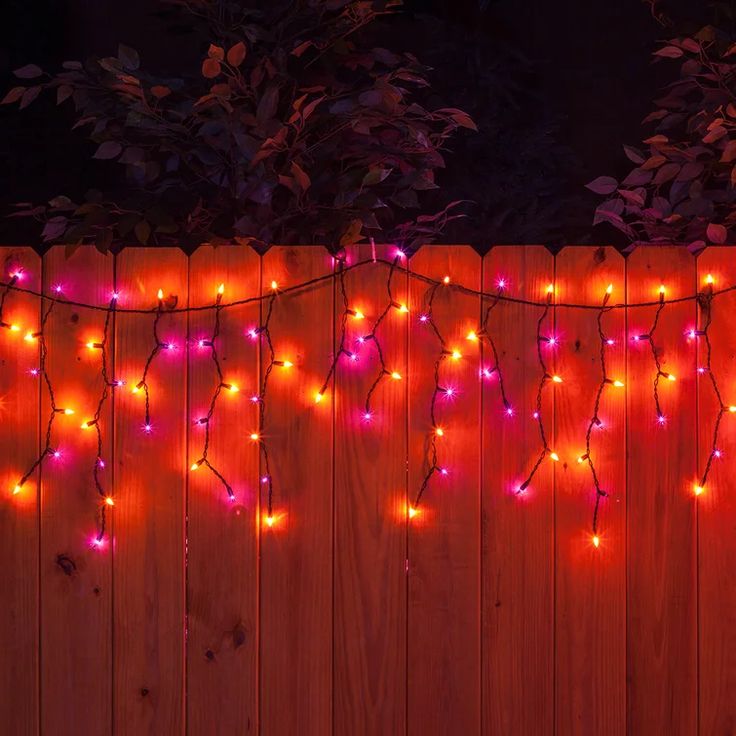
[(556, 88)]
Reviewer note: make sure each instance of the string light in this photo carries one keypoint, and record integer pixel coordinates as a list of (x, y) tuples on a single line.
[(546, 376), (595, 419), (220, 384)]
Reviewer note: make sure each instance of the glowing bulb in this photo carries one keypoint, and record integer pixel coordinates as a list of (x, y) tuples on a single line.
[(255, 436), (581, 459), (14, 328), (550, 288), (456, 355), (89, 424), (137, 387), (698, 490), (732, 409), (556, 379), (367, 416), (670, 377), (109, 501), (662, 290), (270, 521), (31, 336), (412, 512), (197, 465), (472, 336), (68, 412), (318, 397), (403, 308), (18, 488), (596, 541), (396, 376), (618, 384), (274, 285), (709, 279), (233, 387), (94, 345), (554, 456), (446, 280), (609, 289), (160, 294), (439, 432), (221, 289), (355, 313)]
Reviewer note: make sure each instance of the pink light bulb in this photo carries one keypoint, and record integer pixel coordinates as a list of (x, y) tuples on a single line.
[(509, 411), (661, 420), (535, 415), (501, 283), (609, 341), (264, 479), (33, 372), (147, 428), (424, 318), (367, 416), (717, 453)]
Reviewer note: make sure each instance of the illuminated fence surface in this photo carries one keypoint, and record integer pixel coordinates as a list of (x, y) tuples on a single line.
[(449, 494)]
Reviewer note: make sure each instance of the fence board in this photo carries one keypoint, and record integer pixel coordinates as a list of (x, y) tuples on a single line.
[(296, 553), (151, 471), (590, 582), (370, 520), (716, 507), (444, 538), (222, 590), (517, 531), (76, 590), (19, 438), (661, 629)]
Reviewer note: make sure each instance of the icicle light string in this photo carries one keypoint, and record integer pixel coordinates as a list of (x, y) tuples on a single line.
[(659, 373), (483, 332), (705, 302), (545, 378), (107, 385), (595, 420), (158, 346), (372, 337), (47, 450), (437, 432), (221, 384)]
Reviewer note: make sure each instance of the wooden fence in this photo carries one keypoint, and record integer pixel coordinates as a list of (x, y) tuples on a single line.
[(488, 612)]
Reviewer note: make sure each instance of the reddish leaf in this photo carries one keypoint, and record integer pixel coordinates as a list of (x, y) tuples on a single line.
[(108, 150), (29, 71), (216, 52), (602, 185), (236, 55), (716, 233), (301, 176), (210, 68), (13, 95), (28, 96), (63, 93), (669, 52), (159, 91)]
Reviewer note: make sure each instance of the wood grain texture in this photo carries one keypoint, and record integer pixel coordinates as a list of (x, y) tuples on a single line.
[(662, 595), (717, 506), (76, 577), (19, 536), (222, 562), (151, 473), (444, 538), (517, 531), (590, 619), (370, 519), (296, 553)]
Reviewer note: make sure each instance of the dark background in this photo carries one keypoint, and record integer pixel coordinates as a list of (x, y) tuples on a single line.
[(556, 88)]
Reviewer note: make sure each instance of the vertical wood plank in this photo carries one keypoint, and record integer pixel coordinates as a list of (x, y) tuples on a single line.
[(661, 630), (222, 534), (517, 530), (76, 576), (590, 582), (444, 536), (370, 517), (717, 506), (296, 553), (19, 538), (150, 471)]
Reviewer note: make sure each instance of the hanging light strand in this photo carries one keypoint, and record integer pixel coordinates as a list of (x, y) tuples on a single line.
[(705, 302), (372, 336), (546, 376), (485, 333), (220, 385)]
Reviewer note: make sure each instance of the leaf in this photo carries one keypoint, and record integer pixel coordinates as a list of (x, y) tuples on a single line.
[(28, 96), (216, 52), (633, 154), (267, 104), (669, 52), (13, 95), (128, 57), (375, 176), (159, 91), (667, 172), (108, 150), (716, 233), (29, 71), (301, 48), (236, 54), (301, 176), (464, 121), (352, 233), (63, 93), (142, 231), (602, 185), (210, 68)]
